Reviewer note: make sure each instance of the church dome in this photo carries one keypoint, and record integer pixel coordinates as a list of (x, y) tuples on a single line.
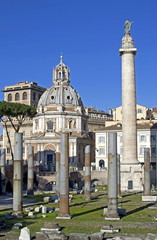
[(61, 93)]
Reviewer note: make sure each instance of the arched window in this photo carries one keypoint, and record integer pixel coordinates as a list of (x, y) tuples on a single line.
[(59, 75), (50, 125), (24, 96), (9, 97), (17, 97), (101, 163)]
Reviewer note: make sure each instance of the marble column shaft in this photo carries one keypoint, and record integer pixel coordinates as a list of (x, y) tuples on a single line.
[(64, 212), (118, 175), (30, 178), (17, 173), (112, 212), (128, 102), (87, 178), (57, 172), (147, 190)]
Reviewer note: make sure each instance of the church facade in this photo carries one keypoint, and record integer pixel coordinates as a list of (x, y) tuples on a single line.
[(60, 109)]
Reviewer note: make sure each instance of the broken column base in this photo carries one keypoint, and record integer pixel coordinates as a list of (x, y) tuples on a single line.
[(121, 211), (64, 216)]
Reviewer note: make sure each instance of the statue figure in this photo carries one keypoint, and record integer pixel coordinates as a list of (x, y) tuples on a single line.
[(127, 26)]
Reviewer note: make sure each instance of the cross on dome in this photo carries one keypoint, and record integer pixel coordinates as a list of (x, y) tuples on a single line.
[(61, 58)]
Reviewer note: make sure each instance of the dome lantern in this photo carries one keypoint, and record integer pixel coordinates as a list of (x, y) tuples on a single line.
[(61, 74)]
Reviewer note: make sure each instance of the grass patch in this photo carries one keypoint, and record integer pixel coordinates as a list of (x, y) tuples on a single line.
[(88, 218)]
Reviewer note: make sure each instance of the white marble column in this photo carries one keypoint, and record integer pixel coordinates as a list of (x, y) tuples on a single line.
[(128, 52), (131, 169)]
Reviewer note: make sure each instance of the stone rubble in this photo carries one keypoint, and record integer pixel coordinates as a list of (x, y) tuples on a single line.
[(108, 228), (51, 231)]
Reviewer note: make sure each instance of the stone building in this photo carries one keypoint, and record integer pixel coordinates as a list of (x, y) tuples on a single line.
[(142, 112), (97, 118), (60, 109), (146, 138), (26, 93)]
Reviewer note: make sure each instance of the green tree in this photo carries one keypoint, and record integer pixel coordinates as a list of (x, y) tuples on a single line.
[(16, 114)]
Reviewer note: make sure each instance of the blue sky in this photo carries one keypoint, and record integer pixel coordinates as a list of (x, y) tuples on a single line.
[(33, 33)]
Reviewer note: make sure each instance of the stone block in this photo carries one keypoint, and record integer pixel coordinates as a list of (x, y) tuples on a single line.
[(97, 236), (50, 226), (104, 211), (17, 226), (79, 236), (81, 192), (109, 229), (56, 235), (151, 236), (149, 198), (31, 214), (41, 236), (25, 234), (94, 197), (37, 209), (44, 209), (118, 238), (47, 199), (56, 209)]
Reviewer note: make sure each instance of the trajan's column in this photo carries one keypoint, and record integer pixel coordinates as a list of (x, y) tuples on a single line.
[(131, 171)]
